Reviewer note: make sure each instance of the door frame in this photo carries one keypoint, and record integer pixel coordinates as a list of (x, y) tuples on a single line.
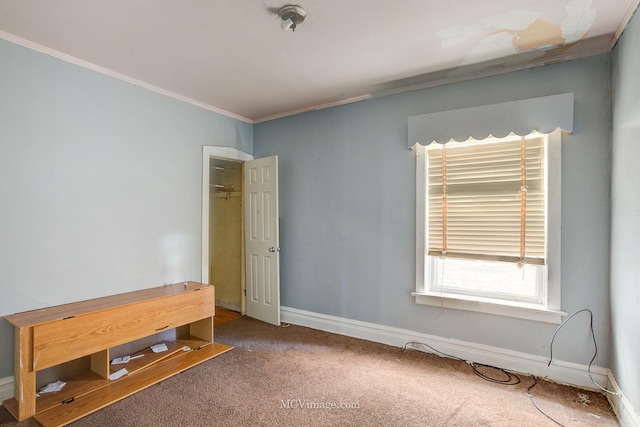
[(224, 153)]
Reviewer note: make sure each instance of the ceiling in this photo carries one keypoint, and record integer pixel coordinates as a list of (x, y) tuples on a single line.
[(231, 56)]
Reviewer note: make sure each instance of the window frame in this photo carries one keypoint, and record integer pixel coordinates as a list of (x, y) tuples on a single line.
[(435, 265), (549, 310)]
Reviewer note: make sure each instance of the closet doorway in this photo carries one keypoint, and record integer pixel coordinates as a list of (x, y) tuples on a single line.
[(226, 259), (222, 225), (240, 232)]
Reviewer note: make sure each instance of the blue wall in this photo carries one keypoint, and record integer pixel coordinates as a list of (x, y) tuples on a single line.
[(625, 213), (100, 185), (347, 185)]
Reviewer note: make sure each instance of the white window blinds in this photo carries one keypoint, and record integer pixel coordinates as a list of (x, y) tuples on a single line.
[(486, 200)]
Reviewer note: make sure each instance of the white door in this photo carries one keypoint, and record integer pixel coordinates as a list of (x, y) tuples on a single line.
[(262, 239)]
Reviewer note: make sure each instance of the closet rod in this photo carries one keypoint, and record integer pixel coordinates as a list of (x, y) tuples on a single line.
[(222, 187)]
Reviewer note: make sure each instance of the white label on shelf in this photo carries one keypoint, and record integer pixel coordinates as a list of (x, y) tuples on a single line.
[(51, 387), (119, 360), (124, 359), (118, 374), (159, 348)]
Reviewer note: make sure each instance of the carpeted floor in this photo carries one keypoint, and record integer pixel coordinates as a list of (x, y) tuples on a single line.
[(296, 376)]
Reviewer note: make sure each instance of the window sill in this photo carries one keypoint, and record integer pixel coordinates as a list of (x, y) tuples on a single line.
[(515, 309)]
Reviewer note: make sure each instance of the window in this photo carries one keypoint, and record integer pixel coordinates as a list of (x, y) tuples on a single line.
[(488, 218)]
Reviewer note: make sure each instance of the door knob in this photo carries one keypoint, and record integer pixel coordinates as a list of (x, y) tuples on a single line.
[(274, 249)]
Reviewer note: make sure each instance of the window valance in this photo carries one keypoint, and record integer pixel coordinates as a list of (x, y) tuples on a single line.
[(544, 114)]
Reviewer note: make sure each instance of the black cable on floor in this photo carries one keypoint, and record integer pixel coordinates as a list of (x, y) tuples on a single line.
[(536, 406), (406, 347), (511, 379)]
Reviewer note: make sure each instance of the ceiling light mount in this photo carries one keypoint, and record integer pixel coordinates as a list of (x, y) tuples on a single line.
[(292, 15)]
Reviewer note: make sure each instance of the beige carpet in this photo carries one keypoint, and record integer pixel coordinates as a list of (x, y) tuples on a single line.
[(295, 376)]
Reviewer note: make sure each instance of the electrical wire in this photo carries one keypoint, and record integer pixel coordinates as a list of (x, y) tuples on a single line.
[(595, 345), (511, 378), (406, 347), (533, 402)]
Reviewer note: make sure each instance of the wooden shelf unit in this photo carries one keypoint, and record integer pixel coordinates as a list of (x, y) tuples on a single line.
[(49, 338)]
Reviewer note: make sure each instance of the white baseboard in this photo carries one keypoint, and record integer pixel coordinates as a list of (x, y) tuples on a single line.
[(560, 371), (6, 388), (228, 305), (627, 416)]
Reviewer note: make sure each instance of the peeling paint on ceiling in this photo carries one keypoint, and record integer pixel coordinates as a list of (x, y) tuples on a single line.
[(521, 30), (232, 56), (514, 20), (580, 17)]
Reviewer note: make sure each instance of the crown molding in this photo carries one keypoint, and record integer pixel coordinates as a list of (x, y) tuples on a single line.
[(114, 74), (479, 73), (623, 24)]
